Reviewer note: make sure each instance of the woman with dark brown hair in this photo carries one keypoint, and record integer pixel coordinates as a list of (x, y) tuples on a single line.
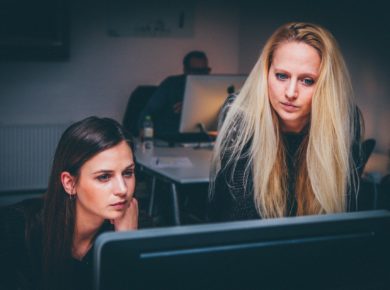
[(90, 190)]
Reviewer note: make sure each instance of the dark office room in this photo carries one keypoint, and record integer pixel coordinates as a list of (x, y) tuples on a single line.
[(190, 209)]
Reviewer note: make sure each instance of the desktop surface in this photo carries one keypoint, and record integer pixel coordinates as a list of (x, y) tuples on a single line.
[(341, 251), (182, 165)]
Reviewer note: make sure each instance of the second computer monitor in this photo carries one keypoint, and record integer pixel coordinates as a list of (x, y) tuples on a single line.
[(204, 96)]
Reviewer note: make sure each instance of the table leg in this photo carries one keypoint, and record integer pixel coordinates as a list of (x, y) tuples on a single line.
[(175, 201), (152, 195)]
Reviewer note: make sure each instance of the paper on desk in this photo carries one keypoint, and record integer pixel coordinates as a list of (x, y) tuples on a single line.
[(171, 162)]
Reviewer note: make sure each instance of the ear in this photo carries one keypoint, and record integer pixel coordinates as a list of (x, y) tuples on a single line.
[(68, 182)]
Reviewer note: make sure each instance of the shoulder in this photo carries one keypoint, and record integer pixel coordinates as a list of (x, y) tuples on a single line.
[(172, 85), (20, 226), (27, 208), (16, 218), (229, 101), (225, 109), (174, 80)]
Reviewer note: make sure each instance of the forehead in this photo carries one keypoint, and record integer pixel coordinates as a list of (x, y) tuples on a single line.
[(114, 158), (297, 56)]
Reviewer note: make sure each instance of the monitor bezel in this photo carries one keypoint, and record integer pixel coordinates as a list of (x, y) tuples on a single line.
[(176, 240)]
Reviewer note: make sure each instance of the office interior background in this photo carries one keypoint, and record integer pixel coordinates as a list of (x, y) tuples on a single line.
[(103, 67)]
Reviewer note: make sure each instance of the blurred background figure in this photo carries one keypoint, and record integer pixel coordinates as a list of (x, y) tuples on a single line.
[(165, 104)]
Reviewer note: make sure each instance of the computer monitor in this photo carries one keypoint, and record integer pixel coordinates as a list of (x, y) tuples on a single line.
[(203, 98), (338, 251)]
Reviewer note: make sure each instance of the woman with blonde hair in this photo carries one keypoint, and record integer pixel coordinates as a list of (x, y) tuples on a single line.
[(289, 142)]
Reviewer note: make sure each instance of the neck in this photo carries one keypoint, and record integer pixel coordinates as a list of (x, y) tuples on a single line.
[(297, 127), (84, 234), (83, 239)]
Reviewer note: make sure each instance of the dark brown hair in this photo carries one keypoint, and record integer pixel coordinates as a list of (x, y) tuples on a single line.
[(79, 143)]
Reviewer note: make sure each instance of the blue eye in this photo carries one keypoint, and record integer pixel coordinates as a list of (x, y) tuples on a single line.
[(128, 173), (103, 177), (308, 81), (281, 76)]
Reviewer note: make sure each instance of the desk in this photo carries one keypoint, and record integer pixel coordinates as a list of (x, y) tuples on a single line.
[(196, 172)]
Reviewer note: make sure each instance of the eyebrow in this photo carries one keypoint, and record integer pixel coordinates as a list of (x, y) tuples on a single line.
[(131, 166), (311, 74)]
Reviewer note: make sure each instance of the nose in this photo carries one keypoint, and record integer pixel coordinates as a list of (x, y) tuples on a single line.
[(292, 90), (120, 187)]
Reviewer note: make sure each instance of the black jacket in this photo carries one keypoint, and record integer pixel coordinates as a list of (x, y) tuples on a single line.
[(21, 250), (233, 197), (161, 106)]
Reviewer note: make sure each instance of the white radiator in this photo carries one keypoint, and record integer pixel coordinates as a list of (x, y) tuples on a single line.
[(26, 154)]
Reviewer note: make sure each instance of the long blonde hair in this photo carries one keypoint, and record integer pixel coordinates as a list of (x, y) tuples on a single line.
[(325, 168)]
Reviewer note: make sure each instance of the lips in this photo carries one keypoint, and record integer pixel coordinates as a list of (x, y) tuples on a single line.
[(289, 104), (120, 203), (289, 107)]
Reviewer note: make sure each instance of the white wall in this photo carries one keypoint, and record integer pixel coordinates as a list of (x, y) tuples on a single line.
[(103, 71)]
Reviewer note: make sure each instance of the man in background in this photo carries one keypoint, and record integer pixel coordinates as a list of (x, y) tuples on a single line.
[(165, 104)]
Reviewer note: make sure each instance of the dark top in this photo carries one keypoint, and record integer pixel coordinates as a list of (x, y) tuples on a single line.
[(21, 249), (233, 198), (161, 104)]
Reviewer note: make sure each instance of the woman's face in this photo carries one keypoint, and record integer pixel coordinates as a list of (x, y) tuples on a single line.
[(291, 83), (106, 184)]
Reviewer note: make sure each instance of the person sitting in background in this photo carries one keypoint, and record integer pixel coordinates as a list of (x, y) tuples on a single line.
[(90, 191), (165, 104), (289, 142)]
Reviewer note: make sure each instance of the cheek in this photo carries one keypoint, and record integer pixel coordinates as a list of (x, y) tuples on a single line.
[(92, 192), (273, 89), (308, 100), (272, 93)]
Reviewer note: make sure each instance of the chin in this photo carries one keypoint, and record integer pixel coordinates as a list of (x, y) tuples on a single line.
[(113, 216), (289, 119)]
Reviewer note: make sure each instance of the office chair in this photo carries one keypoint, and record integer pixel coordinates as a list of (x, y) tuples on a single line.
[(137, 102), (384, 192), (368, 193), (368, 146)]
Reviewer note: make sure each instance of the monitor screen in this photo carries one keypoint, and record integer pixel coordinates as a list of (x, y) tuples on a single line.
[(203, 98), (338, 251)]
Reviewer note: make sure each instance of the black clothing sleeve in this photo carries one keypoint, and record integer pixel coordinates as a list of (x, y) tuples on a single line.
[(232, 199), (161, 105), (21, 250), (19, 261)]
